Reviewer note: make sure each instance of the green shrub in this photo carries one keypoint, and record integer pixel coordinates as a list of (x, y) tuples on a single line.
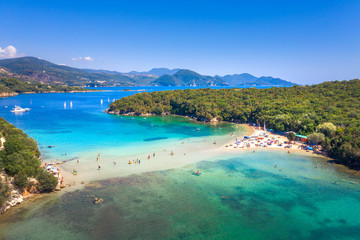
[(47, 181)]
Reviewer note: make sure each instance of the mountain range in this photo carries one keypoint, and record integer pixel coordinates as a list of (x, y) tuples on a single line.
[(37, 70)]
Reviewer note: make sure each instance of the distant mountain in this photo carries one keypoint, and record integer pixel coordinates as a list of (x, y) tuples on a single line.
[(38, 70), (238, 79), (32, 69), (188, 78), (270, 81), (157, 72), (248, 79)]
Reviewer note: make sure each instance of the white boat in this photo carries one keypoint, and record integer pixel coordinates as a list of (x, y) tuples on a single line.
[(71, 104), (64, 105), (101, 101), (19, 109)]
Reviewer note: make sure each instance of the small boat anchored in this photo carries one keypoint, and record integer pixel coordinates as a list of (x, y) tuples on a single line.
[(20, 109)]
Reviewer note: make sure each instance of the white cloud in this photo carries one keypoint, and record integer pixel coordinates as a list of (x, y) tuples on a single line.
[(8, 52), (89, 59)]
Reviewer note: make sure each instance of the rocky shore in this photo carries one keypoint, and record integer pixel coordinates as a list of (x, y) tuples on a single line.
[(14, 196), (8, 94), (14, 199), (162, 114)]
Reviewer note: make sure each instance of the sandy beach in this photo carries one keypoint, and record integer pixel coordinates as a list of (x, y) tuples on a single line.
[(185, 152)]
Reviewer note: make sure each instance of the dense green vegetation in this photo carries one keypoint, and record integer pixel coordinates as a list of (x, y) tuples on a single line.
[(303, 109), (20, 158), (10, 85)]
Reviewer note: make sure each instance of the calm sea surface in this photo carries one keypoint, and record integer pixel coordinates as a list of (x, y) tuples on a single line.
[(238, 196)]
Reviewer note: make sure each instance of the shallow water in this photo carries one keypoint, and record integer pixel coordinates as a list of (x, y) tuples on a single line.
[(242, 196)]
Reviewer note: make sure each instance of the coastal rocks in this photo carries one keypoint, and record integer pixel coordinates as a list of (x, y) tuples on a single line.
[(134, 113), (7, 94), (14, 199), (215, 119), (2, 141)]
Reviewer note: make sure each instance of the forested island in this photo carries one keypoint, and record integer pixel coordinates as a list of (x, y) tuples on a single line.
[(328, 113), (12, 86), (19, 163)]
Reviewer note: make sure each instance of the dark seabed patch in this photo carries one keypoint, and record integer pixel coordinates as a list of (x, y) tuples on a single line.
[(154, 139)]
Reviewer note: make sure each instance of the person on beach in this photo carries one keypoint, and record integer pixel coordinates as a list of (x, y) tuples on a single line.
[(78, 161), (149, 157), (172, 154), (153, 154), (114, 163), (139, 162), (99, 167), (276, 165)]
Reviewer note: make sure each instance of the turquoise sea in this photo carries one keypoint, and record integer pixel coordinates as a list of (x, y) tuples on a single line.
[(240, 195)]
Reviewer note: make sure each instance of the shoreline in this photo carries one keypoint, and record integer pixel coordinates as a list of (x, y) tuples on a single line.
[(163, 161)]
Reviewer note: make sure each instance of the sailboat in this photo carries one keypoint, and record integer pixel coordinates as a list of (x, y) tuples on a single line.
[(64, 105), (71, 104), (114, 100), (108, 99), (101, 102)]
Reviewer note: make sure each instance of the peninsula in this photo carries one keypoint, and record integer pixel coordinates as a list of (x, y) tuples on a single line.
[(327, 113)]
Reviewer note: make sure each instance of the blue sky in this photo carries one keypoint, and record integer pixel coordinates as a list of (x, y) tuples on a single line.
[(301, 41)]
